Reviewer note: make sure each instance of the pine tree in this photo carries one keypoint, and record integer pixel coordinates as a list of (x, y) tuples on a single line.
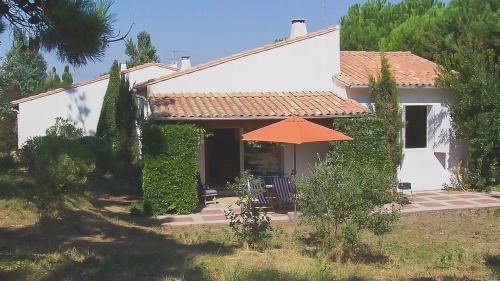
[(141, 53), (22, 69), (78, 31), (67, 78), (384, 94)]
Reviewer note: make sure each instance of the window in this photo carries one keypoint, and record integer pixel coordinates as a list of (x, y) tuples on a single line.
[(263, 157), (416, 126)]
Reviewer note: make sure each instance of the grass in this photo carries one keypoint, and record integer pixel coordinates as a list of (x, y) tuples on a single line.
[(101, 241)]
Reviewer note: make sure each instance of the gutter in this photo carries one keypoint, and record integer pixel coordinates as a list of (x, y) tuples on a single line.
[(253, 118)]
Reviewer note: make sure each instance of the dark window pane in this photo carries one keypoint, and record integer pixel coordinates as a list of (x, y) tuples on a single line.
[(416, 127), (263, 157)]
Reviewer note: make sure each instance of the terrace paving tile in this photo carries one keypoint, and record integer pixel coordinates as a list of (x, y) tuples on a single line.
[(420, 202)]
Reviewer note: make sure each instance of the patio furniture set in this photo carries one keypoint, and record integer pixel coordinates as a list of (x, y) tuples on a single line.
[(276, 191)]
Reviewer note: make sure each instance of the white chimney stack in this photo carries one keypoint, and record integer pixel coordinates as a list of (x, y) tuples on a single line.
[(185, 62), (123, 67), (298, 28)]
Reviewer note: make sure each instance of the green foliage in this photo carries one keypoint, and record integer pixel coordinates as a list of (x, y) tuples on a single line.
[(58, 164), (106, 126), (366, 24), (169, 167), (251, 226), (21, 75), (426, 28), (117, 128), (343, 193), (65, 128), (78, 31), (53, 80), (136, 209), (8, 129), (473, 74), (67, 78), (341, 196), (384, 95), (369, 144), (22, 71), (421, 34), (141, 53)]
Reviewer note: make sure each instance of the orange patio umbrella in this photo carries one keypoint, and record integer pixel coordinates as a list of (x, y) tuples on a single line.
[(295, 130)]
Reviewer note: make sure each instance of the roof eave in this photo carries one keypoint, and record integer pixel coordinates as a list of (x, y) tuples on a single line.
[(240, 118)]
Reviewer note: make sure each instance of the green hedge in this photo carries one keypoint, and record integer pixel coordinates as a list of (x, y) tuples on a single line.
[(170, 167), (369, 146)]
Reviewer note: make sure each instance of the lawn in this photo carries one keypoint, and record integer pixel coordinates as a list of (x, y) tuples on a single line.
[(98, 240)]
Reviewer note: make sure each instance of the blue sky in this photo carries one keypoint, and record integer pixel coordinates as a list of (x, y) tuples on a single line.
[(205, 30)]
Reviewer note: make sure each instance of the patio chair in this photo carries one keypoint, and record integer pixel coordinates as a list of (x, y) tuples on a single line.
[(259, 197), (206, 194), (283, 188)]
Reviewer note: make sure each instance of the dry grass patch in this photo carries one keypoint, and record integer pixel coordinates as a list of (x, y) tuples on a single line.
[(95, 243)]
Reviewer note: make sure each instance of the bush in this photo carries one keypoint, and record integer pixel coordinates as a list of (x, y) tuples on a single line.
[(59, 163), (6, 162), (345, 192), (369, 143), (117, 128), (170, 167), (136, 209), (251, 226), (65, 128), (339, 198), (472, 73)]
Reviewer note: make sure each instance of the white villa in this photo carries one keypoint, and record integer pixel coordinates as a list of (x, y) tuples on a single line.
[(307, 75)]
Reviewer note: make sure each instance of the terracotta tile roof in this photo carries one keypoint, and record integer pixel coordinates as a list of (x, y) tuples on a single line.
[(262, 105), (90, 81), (409, 69), (238, 56)]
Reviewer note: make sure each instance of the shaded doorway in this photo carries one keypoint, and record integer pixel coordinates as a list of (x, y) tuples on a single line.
[(222, 156)]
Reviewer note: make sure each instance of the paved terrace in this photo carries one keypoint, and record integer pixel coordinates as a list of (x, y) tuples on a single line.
[(421, 202)]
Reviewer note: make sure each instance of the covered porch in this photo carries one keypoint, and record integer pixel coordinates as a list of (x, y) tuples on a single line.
[(223, 155)]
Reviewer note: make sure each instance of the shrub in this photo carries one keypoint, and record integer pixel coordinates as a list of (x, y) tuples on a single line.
[(117, 128), (136, 209), (65, 128), (6, 162), (170, 167), (384, 93), (369, 143), (345, 192), (472, 73), (56, 166), (251, 225)]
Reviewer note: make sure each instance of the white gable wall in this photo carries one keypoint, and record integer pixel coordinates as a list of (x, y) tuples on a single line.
[(81, 105), (304, 65), (431, 167)]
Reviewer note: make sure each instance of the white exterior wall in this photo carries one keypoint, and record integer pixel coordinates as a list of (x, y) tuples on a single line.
[(426, 168), (305, 65), (307, 155), (81, 105)]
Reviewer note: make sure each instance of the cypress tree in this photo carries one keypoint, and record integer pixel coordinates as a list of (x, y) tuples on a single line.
[(106, 126), (384, 94), (67, 78)]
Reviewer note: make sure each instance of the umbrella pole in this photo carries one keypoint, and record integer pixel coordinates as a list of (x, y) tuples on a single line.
[(294, 172)]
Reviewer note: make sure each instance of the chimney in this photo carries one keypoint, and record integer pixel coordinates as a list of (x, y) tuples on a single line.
[(123, 67), (298, 28), (185, 62)]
